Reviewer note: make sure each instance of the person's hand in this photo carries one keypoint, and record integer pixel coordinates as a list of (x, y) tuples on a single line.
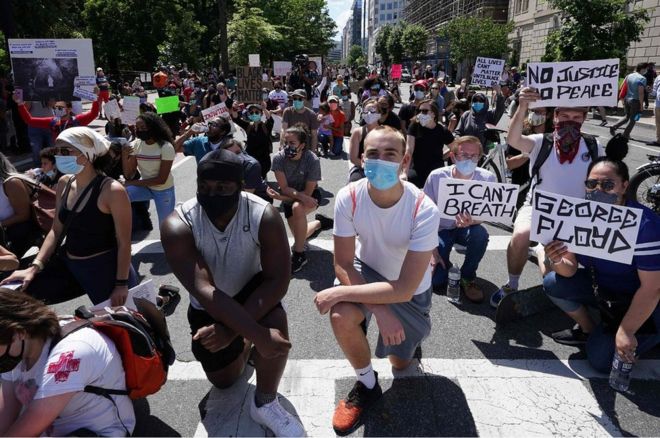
[(118, 296), (626, 344), (272, 344), (17, 97), (272, 193), (214, 337), (464, 220), (528, 95), (555, 251), (389, 326), (325, 299), (436, 260), (25, 276), (198, 128)]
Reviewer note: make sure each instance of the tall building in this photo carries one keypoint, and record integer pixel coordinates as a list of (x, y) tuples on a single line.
[(352, 32), (378, 14), (334, 55), (533, 20)]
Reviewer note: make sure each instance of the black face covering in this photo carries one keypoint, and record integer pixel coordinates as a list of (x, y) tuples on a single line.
[(9, 362), (217, 205)]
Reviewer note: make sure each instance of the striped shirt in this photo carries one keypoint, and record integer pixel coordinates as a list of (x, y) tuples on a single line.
[(149, 157)]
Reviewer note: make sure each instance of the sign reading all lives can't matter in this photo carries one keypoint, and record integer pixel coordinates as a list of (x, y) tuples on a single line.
[(575, 83), (483, 200), (487, 71)]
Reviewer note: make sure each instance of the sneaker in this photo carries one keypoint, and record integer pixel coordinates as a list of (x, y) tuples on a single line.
[(612, 131), (497, 296), (472, 291), (326, 222), (298, 260), (274, 417), (571, 336), (603, 123), (348, 413)]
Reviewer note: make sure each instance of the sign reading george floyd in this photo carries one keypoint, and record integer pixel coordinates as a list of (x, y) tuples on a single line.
[(248, 84), (571, 84), (487, 71), (589, 228), (484, 201)]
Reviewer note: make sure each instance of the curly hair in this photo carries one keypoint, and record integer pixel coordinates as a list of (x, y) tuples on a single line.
[(19, 312), (157, 127)]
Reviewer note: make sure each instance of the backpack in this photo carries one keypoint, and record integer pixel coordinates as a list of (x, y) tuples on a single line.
[(42, 199), (547, 146), (143, 342)]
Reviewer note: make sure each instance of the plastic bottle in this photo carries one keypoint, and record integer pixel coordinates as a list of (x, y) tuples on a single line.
[(454, 285), (620, 373)]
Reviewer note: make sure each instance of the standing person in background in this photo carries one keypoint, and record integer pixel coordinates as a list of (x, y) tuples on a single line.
[(104, 89), (650, 77), (159, 80), (437, 98), (40, 138), (297, 113), (348, 107), (340, 86), (636, 85), (259, 143), (656, 110)]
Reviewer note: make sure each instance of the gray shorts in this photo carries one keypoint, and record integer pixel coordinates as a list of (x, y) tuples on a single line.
[(414, 316)]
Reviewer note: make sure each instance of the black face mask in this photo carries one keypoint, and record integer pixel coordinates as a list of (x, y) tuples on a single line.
[(143, 135), (9, 362), (216, 206)]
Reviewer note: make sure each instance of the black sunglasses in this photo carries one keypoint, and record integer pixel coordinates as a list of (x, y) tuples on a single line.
[(63, 151), (255, 112), (424, 111), (605, 184)]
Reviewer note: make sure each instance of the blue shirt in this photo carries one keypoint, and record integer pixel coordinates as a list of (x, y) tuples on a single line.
[(620, 278), (199, 146), (634, 81)]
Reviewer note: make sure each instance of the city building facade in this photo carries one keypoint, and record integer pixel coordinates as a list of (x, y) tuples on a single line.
[(378, 14), (352, 32)]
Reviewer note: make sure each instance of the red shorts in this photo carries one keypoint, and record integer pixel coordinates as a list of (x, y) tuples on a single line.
[(104, 95)]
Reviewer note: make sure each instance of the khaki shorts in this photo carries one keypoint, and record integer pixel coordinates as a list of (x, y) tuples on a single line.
[(524, 217)]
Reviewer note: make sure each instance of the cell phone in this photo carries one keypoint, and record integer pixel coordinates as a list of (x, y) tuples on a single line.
[(13, 285)]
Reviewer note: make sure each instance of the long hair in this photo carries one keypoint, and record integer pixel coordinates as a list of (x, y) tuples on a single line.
[(19, 312), (6, 168), (157, 127)]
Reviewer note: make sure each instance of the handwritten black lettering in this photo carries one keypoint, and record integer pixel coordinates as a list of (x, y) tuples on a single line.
[(451, 207), (454, 189), (630, 219), (619, 243), (544, 203), (598, 240), (582, 236), (583, 209), (565, 208)]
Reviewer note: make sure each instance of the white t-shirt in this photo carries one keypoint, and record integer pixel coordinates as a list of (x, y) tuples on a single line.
[(564, 179), (384, 235), (281, 97), (85, 357)]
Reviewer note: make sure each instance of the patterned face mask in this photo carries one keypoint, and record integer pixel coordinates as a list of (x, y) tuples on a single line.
[(567, 139)]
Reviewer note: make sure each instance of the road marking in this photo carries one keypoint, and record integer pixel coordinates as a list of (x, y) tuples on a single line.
[(181, 160), (504, 397), (655, 151)]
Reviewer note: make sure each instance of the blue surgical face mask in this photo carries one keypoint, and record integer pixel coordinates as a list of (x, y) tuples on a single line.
[(419, 95), (600, 196), (255, 117), (382, 175), (477, 106), (466, 167), (298, 104), (68, 165)]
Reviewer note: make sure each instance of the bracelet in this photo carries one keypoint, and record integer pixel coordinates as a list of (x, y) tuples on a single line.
[(38, 264), (121, 282)]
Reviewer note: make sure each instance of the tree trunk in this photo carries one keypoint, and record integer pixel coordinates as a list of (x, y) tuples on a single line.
[(223, 10)]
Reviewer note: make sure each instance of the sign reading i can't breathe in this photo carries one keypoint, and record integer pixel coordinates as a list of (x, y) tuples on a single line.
[(589, 228), (484, 201), (571, 84), (487, 71)]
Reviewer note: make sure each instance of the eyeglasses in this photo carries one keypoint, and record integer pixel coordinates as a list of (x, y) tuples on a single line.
[(463, 157), (255, 112), (419, 89), (434, 88), (605, 184), (298, 98), (424, 111)]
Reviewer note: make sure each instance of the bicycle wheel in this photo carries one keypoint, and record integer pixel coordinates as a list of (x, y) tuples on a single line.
[(644, 188), (490, 165)]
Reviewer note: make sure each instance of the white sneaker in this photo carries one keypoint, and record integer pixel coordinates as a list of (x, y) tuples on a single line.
[(273, 416)]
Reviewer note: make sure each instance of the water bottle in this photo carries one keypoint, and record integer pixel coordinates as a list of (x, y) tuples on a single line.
[(454, 285), (620, 374)]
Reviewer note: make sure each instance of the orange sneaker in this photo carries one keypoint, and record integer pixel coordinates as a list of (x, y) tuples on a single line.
[(348, 413)]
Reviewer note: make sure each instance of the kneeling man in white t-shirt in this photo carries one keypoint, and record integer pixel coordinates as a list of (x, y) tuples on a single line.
[(385, 232)]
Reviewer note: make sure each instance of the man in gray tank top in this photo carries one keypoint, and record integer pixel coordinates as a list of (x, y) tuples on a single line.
[(229, 249)]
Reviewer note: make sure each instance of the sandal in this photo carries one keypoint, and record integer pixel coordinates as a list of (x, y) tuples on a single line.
[(168, 298)]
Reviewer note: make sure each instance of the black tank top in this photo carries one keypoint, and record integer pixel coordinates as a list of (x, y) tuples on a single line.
[(91, 231)]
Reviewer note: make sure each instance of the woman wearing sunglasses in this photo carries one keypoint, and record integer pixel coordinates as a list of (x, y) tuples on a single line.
[(259, 142), (629, 326), (371, 116), (94, 214)]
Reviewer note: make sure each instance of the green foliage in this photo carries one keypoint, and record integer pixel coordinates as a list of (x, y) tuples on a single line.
[(594, 29), (414, 40), (248, 32), (395, 43), (470, 37), (380, 45), (355, 55)]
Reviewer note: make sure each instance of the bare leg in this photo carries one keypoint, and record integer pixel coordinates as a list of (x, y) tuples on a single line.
[(517, 252), (346, 319), (269, 371), (581, 316), (300, 229)]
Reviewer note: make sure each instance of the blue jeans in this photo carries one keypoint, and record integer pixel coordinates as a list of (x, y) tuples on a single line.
[(475, 238), (337, 145), (40, 138), (571, 293), (164, 199), (324, 141)]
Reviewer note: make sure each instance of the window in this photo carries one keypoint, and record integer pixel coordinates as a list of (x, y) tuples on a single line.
[(382, 7), (382, 17), (389, 6), (389, 16), (396, 5), (395, 15)]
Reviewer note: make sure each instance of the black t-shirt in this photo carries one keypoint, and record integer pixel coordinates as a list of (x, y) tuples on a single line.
[(427, 155), (519, 175), (407, 112)]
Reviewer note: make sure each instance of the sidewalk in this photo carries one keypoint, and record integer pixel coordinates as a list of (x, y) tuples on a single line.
[(646, 121)]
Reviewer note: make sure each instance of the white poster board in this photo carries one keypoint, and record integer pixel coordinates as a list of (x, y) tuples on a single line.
[(146, 290), (589, 228), (578, 83), (45, 68), (84, 94), (131, 109), (487, 71), (89, 81), (484, 201), (253, 60), (112, 110), (319, 65), (281, 68), (215, 111)]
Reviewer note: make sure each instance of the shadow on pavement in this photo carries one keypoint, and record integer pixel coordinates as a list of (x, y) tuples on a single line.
[(147, 424), (319, 269)]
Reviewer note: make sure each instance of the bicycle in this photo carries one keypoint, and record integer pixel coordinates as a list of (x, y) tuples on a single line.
[(644, 186)]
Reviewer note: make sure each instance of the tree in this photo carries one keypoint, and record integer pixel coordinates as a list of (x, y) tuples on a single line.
[(248, 31), (223, 39), (380, 46), (594, 29), (394, 43), (414, 40), (470, 37), (183, 39), (355, 55)]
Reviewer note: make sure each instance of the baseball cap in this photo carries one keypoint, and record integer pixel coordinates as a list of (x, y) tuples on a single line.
[(421, 83), (333, 99), (221, 165), (300, 92)]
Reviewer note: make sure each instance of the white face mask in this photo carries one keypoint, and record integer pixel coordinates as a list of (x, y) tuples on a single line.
[(424, 119), (370, 118), (536, 119), (57, 112)]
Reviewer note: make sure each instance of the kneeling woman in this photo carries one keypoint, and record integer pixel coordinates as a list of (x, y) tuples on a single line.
[(43, 384), (94, 213), (631, 326)]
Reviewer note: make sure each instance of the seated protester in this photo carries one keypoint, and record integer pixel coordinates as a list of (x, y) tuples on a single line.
[(116, 129), (386, 109), (254, 182), (348, 107), (466, 152), (394, 91), (384, 235), (370, 117), (325, 127), (454, 112), (39, 402), (474, 122), (259, 143), (96, 256), (337, 126), (373, 87), (229, 249), (408, 111), (631, 327), (426, 140), (218, 133), (298, 171), (47, 174)]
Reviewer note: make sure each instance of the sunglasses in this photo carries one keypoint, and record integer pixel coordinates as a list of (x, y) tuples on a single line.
[(605, 184), (255, 112), (419, 89), (434, 88), (59, 107), (63, 151), (298, 98), (424, 111)]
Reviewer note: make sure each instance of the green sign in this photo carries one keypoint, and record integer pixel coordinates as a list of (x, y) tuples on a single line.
[(168, 104)]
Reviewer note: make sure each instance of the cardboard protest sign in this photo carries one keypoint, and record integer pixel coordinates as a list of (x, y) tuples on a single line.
[(84, 94), (590, 228), (253, 60), (112, 110), (484, 201), (48, 68), (487, 71), (167, 104), (281, 68), (248, 84), (571, 84), (131, 110), (215, 111), (395, 72)]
